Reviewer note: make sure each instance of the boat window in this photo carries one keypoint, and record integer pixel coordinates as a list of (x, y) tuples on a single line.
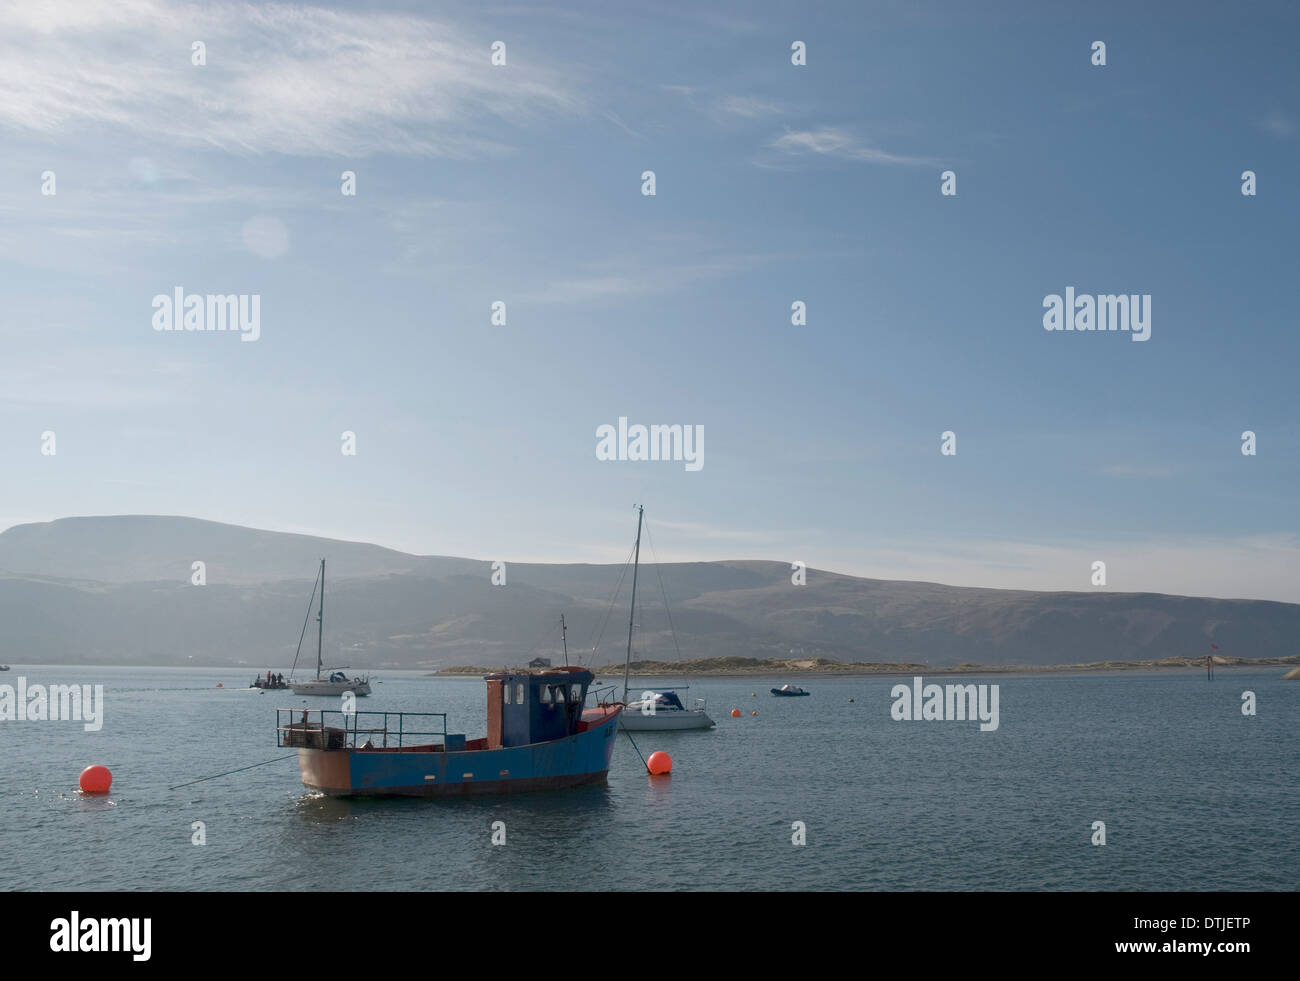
[(546, 695), (559, 693), (519, 693), (575, 693), (506, 690)]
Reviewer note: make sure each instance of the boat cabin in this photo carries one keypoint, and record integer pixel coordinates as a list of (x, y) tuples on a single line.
[(535, 706), (668, 700)]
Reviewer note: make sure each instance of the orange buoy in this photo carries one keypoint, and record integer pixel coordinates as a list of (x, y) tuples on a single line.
[(220, 685), (753, 694), (753, 713), (659, 763), (735, 713), (95, 779)]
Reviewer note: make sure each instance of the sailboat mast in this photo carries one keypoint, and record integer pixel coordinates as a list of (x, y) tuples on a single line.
[(564, 635), (320, 618), (636, 562)]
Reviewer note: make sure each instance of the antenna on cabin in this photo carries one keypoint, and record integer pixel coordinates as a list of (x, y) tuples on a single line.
[(564, 636)]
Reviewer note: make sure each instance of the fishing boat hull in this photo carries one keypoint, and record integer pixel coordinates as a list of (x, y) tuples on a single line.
[(789, 694), (430, 771)]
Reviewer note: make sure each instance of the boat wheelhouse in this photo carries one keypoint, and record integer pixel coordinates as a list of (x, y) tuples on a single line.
[(540, 736)]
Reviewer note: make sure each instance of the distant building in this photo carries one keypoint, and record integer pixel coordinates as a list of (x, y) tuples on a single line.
[(540, 662)]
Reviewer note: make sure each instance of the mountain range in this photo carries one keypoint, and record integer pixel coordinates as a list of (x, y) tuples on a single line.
[(118, 590)]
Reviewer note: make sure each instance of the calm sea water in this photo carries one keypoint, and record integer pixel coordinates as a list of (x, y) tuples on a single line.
[(1195, 796)]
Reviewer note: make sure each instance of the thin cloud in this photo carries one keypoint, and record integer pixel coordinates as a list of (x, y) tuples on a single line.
[(613, 117), (299, 80), (747, 107), (636, 276), (1129, 470), (831, 141), (1278, 125)]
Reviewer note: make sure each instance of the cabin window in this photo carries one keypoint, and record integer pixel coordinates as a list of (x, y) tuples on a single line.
[(546, 695), (575, 693), (519, 693), (559, 694), (506, 689)]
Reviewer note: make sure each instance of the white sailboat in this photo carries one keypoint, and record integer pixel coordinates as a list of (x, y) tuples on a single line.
[(337, 683), (662, 710)]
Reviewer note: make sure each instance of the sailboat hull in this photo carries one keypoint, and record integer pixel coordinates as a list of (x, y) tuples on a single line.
[(665, 721), (330, 687)]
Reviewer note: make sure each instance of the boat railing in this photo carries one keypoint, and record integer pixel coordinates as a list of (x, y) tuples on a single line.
[(608, 691), (334, 729)]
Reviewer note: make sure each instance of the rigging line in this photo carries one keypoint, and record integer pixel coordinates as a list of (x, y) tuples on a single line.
[(305, 621), (667, 609), (610, 608), (229, 772)]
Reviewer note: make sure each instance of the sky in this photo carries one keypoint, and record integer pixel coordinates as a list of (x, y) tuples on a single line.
[(775, 183)]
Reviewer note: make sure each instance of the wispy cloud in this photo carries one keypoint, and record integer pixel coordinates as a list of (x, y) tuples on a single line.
[(694, 531), (1249, 567), (747, 107), (94, 381), (836, 142), (290, 79), (639, 276), (1278, 125), (613, 117), (1130, 470)]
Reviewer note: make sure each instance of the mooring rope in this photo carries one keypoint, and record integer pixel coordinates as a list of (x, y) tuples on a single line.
[(638, 751), (240, 770)]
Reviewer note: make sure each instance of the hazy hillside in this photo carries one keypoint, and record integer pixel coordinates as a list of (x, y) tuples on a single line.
[(117, 590)]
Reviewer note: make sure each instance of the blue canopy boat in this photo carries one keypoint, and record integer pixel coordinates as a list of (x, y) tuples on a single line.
[(789, 691), (540, 737)]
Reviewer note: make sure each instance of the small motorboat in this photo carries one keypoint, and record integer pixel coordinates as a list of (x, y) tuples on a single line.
[(789, 691), (272, 682)]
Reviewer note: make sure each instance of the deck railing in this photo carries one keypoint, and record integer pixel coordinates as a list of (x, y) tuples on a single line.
[(594, 695), (317, 728)]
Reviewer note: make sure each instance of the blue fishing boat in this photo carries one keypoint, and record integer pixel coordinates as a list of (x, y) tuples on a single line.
[(540, 736)]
